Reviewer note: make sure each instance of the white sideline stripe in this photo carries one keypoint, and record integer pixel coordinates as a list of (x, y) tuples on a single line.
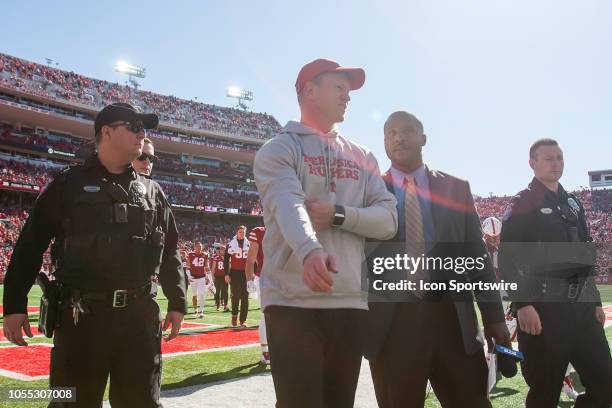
[(184, 353), (207, 326), (21, 377)]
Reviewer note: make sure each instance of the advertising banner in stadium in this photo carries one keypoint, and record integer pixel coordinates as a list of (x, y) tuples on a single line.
[(10, 185), (188, 207), (60, 153), (209, 208)]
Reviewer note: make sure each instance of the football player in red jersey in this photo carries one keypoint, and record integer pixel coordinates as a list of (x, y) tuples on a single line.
[(199, 269), (235, 263), (255, 255), (218, 268)]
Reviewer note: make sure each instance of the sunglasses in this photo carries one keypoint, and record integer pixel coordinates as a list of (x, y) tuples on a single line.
[(150, 157), (134, 127)]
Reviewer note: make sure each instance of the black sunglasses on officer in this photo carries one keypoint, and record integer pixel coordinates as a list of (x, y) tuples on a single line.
[(146, 156), (134, 127)]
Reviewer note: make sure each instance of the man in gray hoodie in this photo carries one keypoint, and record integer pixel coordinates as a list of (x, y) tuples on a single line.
[(311, 283)]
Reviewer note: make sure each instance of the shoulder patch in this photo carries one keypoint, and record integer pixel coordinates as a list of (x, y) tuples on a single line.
[(519, 204), (573, 203), (140, 188), (65, 172)]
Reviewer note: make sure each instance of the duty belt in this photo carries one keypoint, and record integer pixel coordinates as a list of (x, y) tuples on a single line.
[(118, 298)]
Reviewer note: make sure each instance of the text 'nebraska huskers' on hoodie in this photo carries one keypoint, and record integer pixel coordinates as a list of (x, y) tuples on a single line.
[(301, 163)]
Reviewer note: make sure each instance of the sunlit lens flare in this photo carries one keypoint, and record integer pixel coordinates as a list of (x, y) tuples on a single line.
[(122, 66), (234, 92)]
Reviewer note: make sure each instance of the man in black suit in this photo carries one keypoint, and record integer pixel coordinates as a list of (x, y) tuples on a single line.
[(431, 335)]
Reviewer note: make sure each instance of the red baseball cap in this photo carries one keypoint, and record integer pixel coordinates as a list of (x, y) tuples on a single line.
[(356, 76)]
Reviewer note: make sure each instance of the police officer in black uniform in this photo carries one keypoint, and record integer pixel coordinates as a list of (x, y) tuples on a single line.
[(545, 249), (114, 232)]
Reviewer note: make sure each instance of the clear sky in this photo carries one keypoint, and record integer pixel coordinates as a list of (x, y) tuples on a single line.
[(486, 77)]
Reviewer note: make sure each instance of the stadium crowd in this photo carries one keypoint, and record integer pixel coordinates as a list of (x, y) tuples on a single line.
[(209, 141), (48, 82), (25, 173), (198, 196), (172, 163), (185, 192), (82, 148), (13, 215)]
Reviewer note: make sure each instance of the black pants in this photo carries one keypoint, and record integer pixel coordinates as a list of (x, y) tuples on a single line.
[(425, 343), (240, 296), (570, 334), (315, 355), (123, 343), (220, 291)]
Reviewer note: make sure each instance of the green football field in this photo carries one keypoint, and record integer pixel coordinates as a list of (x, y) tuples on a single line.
[(181, 371)]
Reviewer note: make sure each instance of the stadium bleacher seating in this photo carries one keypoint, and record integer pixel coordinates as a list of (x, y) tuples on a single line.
[(53, 83)]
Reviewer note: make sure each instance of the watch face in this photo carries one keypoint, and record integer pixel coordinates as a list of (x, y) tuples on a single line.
[(338, 216), (338, 219)]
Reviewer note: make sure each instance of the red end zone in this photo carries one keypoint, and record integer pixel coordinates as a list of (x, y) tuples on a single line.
[(32, 362)]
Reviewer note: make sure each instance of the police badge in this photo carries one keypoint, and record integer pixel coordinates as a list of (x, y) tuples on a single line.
[(137, 192), (573, 205)]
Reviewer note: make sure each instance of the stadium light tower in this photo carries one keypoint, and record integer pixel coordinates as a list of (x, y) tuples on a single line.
[(241, 95), (132, 71)]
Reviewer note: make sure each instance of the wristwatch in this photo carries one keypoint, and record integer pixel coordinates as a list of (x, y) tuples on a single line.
[(338, 216)]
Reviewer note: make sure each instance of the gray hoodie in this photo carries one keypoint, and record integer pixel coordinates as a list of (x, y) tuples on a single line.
[(301, 163)]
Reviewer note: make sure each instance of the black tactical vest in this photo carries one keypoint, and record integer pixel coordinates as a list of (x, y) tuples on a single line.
[(110, 236), (557, 220)]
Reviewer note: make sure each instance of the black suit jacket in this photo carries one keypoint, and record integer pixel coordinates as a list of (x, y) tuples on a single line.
[(457, 233)]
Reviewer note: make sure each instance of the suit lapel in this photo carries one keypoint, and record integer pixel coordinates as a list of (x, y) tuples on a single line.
[(435, 190), (388, 179)]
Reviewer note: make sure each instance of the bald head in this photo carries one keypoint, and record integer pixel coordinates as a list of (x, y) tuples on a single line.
[(404, 140), (403, 119)]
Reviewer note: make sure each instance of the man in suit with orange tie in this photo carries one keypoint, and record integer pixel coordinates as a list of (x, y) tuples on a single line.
[(431, 335)]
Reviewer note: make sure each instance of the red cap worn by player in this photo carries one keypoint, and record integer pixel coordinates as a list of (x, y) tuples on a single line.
[(356, 76)]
